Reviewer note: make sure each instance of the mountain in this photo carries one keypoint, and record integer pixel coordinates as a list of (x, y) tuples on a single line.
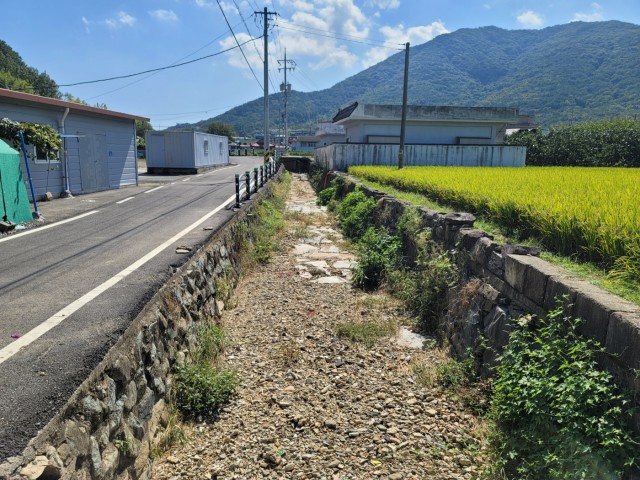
[(17, 75), (574, 72)]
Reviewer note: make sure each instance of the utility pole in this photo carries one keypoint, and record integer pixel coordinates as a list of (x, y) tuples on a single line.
[(403, 121), (265, 19), (286, 89)]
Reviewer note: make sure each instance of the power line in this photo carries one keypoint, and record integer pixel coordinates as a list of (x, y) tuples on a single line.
[(238, 43), (155, 73), (159, 69), (340, 36)]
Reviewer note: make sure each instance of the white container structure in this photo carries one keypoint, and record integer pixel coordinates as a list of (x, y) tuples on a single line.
[(177, 152)]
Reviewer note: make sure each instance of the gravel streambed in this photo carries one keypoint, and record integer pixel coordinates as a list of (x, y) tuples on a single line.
[(313, 405)]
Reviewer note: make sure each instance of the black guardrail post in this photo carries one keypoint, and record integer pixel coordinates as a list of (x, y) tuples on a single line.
[(255, 174), (237, 190), (262, 175), (247, 179)]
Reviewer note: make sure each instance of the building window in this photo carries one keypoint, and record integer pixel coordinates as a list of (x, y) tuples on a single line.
[(206, 147)]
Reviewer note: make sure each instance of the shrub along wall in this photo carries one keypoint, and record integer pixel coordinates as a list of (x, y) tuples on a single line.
[(611, 143), (514, 281), (106, 430)]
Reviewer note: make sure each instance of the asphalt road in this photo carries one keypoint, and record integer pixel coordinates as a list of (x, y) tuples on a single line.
[(46, 271)]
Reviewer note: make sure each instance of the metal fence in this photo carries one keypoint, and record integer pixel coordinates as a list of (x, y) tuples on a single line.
[(249, 182)]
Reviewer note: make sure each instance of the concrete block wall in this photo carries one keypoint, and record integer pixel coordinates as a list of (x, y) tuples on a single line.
[(107, 428), (515, 281)]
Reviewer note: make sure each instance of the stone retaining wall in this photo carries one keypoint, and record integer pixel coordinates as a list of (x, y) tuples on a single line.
[(514, 281), (106, 430)]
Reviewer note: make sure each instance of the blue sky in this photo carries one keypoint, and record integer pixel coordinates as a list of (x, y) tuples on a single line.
[(329, 40)]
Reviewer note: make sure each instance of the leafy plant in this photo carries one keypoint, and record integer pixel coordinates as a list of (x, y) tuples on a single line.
[(378, 253), (424, 288), (355, 214), (201, 389), (558, 415), (43, 137)]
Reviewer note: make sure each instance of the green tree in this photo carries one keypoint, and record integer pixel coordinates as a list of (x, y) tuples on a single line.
[(12, 64), (141, 128), (221, 128)]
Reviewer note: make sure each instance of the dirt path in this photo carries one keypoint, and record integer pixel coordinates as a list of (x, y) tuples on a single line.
[(313, 405)]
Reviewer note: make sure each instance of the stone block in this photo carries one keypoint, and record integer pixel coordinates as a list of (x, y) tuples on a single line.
[(514, 271), (595, 307), (623, 338), (495, 263), (482, 251), (468, 237), (560, 289), (497, 328)]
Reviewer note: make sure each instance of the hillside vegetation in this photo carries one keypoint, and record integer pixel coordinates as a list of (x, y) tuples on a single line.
[(562, 74), (17, 75)]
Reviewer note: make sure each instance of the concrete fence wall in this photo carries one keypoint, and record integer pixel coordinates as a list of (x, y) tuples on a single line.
[(339, 156), (106, 430), (515, 281)]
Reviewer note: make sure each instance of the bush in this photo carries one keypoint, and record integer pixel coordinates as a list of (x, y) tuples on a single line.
[(378, 253), (355, 214), (201, 389), (558, 415), (424, 288), (611, 143)]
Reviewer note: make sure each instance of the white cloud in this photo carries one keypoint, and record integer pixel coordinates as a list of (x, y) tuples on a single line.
[(164, 15), (297, 5), (593, 16), (205, 4), (318, 30), (398, 35), (122, 19), (383, 4), (86, 24), (530, 19)]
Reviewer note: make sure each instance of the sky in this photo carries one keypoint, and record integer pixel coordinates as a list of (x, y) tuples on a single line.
[(325, 41)]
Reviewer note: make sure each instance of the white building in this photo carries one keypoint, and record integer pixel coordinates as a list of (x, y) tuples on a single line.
[(434, 135)]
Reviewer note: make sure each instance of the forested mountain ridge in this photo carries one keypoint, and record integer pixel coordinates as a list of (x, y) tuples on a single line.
[(17, 75), (566, 73)]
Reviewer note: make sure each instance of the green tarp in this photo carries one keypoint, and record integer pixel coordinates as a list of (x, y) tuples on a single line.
[(13, 189)]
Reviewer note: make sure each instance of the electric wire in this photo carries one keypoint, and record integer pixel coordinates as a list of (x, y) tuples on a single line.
[(340, 36), (238, 43), (155, 73), (158, 69)]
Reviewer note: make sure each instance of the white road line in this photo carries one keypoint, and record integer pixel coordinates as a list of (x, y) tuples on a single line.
[(186, 179), (125, 200), (35, 333), (154, 189), (200, 174), (46, 227)]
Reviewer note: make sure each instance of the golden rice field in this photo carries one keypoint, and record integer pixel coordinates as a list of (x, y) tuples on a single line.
[(592, 213)]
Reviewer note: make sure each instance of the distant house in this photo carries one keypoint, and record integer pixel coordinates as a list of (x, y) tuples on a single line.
[(98, 146), (434, 135), (325, 134), (185, 152)]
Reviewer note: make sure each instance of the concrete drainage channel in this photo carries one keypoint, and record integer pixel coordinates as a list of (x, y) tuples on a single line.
[(124, 400)]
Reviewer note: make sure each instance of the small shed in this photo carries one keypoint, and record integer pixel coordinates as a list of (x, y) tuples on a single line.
[(13, 193), (98, 145), (185, 152)]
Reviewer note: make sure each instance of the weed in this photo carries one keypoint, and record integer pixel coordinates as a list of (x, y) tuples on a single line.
[(557, 414), (288, 354), (367, 332), (170, 436), (211, 342), (201, 389), (124, 446), (378, 253)]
